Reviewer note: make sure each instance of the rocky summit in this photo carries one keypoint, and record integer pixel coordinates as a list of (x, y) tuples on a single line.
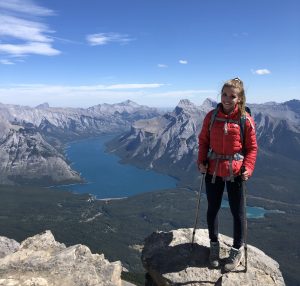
[(171, 259), (42, 261)]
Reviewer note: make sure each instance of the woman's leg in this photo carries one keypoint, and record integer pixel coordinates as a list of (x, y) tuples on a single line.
[(235, 197), (214, 193)]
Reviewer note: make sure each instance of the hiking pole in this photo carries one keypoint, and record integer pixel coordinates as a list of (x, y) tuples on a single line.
[(244, 190), (198, 205)]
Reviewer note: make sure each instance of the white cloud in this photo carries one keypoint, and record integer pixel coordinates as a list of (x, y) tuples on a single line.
[(6, 62), (21, 32), (134, 86), (40, 89), (183, 62), (162, 65), (29, 48), (23, 29), (261, 71), (88, 95), (73, 96), (101, 39), (184, 93), (27, 7)]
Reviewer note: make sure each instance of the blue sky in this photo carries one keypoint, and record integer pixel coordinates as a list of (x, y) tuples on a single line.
[(80, 53)]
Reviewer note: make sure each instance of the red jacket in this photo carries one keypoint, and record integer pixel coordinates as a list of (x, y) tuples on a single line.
[(228, 143)]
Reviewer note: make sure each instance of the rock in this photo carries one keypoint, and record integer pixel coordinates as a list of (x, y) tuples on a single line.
[(8, 246), (125, 283), (170, 259), (42, 261)]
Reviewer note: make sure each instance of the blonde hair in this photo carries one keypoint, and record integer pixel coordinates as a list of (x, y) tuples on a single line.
[(236, 83)]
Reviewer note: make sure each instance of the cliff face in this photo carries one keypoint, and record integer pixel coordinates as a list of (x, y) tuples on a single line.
[(171, 259), (42, 261), (27, 157)]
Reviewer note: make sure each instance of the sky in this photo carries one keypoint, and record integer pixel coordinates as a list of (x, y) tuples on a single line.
[(81, 53)]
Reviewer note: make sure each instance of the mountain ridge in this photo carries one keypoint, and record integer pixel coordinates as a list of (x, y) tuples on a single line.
[(51, 128), (171, 146)]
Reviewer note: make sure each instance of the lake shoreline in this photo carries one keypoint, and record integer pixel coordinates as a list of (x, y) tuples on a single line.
[(252, 211)]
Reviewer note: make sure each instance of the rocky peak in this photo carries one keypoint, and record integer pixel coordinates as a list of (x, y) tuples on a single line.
[(44, 105), (129, 103), (127, 106), (171, 259), (208, 104), (185, 103), (42, 261), (294, 105), (186, 106)]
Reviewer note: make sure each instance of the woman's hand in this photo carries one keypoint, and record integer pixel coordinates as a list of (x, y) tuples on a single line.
[(202, 168), (245, 175)]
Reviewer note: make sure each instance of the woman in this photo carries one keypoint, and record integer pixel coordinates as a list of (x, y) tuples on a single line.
[(227, 154)]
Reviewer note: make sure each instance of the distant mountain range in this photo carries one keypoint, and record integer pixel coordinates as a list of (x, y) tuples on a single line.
[(169, 143), (31, 139)]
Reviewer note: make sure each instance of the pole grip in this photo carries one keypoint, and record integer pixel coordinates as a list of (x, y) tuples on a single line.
[(243, 169), (205, 163)]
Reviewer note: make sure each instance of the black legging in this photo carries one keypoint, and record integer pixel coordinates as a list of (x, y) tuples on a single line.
[(214, 194)]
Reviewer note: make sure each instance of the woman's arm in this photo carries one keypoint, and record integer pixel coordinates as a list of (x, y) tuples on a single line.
[(203, 143), (250, 146)]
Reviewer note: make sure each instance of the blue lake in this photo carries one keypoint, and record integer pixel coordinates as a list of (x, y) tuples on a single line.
[(107, 178)]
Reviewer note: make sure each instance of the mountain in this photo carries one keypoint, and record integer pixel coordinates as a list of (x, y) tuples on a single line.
[(164, 141), (32, 139), (77, 122), (169, 143), (27, 158), (278, 127), (44, 105)]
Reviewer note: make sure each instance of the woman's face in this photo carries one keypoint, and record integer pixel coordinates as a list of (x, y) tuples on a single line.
[(229, 99)]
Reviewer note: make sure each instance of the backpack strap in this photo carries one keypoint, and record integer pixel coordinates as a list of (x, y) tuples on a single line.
[(243, 120), (242, 127), (213, 117)]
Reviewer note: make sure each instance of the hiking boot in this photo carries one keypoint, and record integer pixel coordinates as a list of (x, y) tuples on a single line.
[(234, 259), (214, 254)]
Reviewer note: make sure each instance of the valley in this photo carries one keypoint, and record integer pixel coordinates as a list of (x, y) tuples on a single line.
[(118, 228), (33, 155)]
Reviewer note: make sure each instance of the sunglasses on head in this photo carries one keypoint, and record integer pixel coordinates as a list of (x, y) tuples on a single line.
[(237, 79)]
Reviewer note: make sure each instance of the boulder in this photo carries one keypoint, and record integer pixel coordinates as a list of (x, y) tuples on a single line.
[(42, 261), (170, 259)]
